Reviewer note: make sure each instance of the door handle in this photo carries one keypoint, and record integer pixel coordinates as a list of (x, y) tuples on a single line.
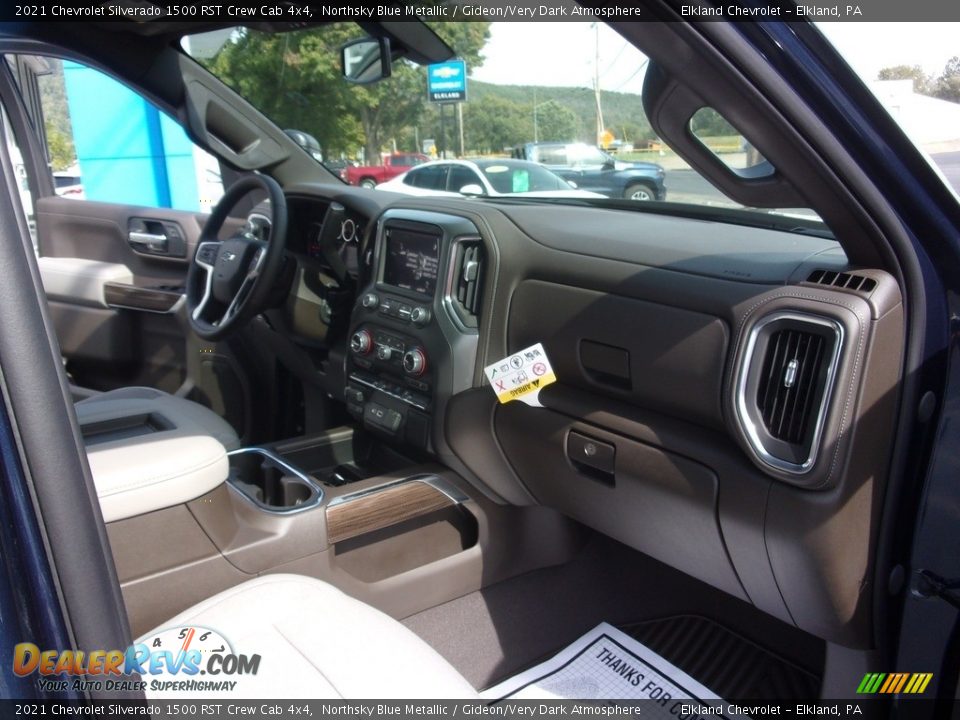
[(149, 242)]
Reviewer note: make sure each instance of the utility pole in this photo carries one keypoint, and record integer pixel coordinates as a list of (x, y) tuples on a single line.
[(442, 154), (596, 84)]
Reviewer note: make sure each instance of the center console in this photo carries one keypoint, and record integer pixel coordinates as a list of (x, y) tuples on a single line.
[(374, 507), (413, 330)]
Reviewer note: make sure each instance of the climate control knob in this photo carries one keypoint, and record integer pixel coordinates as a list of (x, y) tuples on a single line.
[(414, 362), (384, 352), (361, 342), (420, 315)]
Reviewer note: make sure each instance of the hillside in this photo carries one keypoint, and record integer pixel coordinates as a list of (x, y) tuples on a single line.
[(622, 112)]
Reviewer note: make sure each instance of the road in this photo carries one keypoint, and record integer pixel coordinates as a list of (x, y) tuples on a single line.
[(688, 186)]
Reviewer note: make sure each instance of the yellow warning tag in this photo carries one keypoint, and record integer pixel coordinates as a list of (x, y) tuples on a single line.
[(521, 376)]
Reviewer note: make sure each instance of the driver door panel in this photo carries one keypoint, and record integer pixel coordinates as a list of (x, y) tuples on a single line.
[(118, 318)]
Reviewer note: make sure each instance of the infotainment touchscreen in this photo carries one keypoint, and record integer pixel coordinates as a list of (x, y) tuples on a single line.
[(412, 260)]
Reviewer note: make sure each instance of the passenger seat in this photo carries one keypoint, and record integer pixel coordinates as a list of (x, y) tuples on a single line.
[(315, 642)]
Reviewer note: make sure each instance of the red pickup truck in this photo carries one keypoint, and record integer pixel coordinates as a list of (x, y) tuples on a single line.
[(371, 175)]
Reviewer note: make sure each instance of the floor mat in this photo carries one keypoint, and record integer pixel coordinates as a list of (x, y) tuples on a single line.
[(735, 668), (607, 664)]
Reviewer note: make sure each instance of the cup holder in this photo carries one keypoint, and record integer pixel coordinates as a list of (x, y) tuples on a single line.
[(271, 483)]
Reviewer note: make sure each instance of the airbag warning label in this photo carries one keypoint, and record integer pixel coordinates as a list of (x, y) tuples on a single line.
[(521, 376)]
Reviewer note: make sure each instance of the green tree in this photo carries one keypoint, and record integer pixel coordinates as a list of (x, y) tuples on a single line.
[(294, 78), (707, 122), (921, 82), (555, 122), (636, 133), (495, 124), (466, 39), (56, 116), (948, 84), (388, 107), (60, 147)]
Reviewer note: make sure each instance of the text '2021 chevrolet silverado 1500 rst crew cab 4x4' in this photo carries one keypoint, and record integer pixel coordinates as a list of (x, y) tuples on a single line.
[(268, 434)]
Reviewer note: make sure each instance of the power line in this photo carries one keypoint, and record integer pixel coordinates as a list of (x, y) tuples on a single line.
[(614, 61), (637, 72)]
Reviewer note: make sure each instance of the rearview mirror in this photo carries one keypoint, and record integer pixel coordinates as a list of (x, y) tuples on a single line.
[(366, 60)]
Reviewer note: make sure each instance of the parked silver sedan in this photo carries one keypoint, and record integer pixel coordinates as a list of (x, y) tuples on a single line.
[(484, 178)]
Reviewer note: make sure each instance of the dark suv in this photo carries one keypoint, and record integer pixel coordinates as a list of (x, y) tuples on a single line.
[(592, 169)]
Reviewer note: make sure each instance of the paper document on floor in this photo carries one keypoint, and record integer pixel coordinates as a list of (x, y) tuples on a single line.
[(606, 664)]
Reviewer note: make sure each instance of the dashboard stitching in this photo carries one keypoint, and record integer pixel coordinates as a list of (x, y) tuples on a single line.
[(855, 367)]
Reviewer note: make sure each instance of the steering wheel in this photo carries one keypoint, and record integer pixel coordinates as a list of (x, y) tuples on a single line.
[(230, 281)]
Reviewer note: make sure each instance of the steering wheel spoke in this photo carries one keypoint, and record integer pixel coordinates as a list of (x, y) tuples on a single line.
[(205, 258), (230, 281), (256, 266)]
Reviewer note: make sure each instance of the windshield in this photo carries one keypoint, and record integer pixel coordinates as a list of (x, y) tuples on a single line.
[(566, 96)]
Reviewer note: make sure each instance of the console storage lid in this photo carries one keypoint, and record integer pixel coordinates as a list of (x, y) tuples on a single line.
[(143, 461), (138, 475)]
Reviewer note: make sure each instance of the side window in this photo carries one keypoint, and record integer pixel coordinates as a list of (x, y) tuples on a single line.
[(432, 178), (20, 170), (107, 143), (556, 155), (460, 176), (412, 178), (730, 147)]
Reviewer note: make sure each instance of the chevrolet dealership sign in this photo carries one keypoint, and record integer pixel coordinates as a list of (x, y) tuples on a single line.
[(447, 81)]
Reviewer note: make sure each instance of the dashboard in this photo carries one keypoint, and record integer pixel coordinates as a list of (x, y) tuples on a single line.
[(308, 224), (736, 383)]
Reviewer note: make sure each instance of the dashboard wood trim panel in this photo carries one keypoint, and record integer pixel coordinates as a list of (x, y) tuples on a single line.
[(383, 508)]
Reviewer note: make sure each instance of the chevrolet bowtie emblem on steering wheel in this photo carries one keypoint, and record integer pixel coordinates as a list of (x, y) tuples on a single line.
[(229, 256)]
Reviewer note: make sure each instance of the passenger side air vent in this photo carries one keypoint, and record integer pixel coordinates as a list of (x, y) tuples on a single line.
[(784, 387), (467, 289), (847, 281), (791, 378)]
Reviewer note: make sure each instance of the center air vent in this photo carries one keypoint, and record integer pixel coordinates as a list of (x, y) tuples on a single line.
[(784, 387), (467, 286)]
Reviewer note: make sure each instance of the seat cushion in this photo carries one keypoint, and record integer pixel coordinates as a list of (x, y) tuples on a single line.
[(316, 642)]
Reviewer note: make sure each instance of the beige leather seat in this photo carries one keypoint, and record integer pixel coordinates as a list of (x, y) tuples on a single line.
[(149, 450), (315, 642)]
